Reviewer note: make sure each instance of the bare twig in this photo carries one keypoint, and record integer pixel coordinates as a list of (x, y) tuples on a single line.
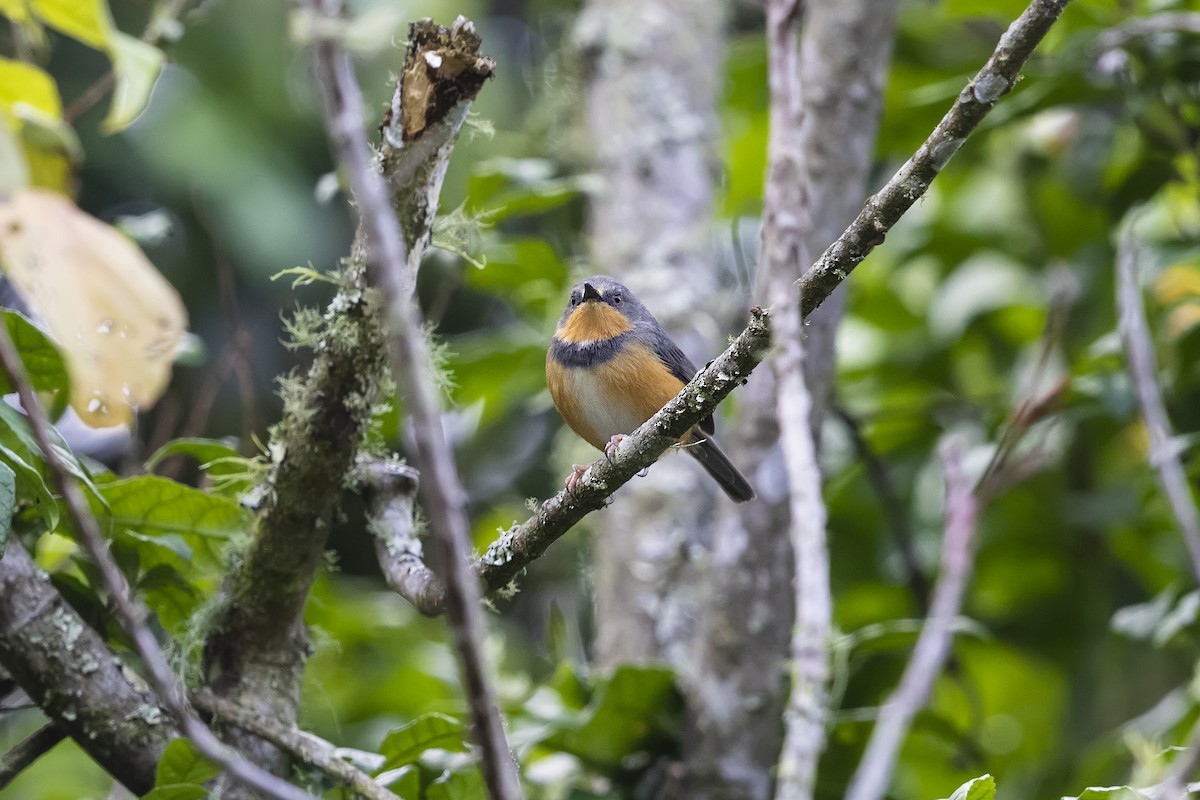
[(29, 750), (871, 779), (161, 22), (305, 746), (1143, 371), (131, 614), (893, 509), (442, 495), (390, 488), (787, 219), (886, 207)]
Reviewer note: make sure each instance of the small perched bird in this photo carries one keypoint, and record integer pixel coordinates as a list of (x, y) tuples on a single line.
[(611, 367)]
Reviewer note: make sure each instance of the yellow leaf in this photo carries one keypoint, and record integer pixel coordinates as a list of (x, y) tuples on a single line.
[(14, 169), (16, 10), (31, 108), (1177, 282), (1183, 318), (85, 20), (116, 319), (137, 66), (25, 83)]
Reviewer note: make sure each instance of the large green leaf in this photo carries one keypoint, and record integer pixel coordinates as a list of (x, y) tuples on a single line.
[(153, 505), (1110, 793), (405, 745)]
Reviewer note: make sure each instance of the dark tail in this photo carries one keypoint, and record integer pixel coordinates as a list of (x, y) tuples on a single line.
[(717, 464)]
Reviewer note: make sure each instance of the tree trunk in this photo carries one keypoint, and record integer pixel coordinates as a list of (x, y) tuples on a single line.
[(653, 85), (740, 680)]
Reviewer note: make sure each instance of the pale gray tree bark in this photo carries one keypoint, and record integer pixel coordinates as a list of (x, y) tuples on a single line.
[(653, 81), (844, 53)]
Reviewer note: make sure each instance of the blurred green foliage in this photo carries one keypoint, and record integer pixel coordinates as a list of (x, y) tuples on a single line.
[(1074, 663)]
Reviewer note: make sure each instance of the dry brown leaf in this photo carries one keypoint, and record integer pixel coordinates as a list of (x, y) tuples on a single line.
[(115, 317)]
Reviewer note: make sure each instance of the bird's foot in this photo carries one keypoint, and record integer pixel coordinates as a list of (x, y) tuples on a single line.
[(572, 481), (644, 472), (610, 449)]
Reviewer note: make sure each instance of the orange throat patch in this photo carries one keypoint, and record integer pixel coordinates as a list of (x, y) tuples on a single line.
[(593, 322)]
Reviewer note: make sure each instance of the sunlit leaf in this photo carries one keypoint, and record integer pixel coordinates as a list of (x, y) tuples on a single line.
[(16, 10), (85, 20), (405, 745), (136, 65), (117, 320), (981, 788), (1110, 793)]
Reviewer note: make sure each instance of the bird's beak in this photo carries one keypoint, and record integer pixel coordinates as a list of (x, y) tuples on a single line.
[(590, 293)]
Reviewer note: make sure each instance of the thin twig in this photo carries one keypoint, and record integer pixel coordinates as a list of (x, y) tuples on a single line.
[(893, 509), (443, 498), (160, 24), (31, 748), (131, 614), (787, 221), (886, 207), (305, 746), (871, 779), (1143, 371)]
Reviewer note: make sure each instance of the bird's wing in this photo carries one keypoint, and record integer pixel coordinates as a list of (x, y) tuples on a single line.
[(681, 367)]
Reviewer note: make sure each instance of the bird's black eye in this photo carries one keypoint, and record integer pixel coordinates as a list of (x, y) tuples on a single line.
[(616, 299), (574, 299)]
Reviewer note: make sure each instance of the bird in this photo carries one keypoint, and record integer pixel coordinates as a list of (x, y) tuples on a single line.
[(611, 366)]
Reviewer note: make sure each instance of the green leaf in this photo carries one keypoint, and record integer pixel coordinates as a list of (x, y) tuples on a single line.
[(85, 20), (14, 168), (404, 782), (1109, 793), (981, 788), (405, 745), (629, 711), (43, 363), (462, 785), (8, 501), (180, 763), (136, 65), (31, 489), (152, 504)]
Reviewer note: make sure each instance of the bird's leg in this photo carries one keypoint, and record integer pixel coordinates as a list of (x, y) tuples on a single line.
[(572, 481), (610, 449)]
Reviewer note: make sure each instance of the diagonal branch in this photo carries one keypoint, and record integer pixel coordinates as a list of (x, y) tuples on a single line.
[(304, 746), (29, 750), (388, 258), (1143, 371), (75, 677), (885, 208)]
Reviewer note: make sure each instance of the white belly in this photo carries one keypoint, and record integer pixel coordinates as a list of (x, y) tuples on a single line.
[(606, 418)]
